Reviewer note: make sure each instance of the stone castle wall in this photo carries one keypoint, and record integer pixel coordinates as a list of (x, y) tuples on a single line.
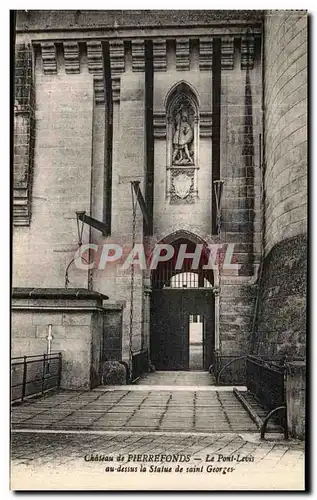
[(281, 322), (61, 177), (71, 156), (285, 107)]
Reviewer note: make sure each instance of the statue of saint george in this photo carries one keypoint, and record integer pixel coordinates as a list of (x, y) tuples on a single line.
[(182, 139)]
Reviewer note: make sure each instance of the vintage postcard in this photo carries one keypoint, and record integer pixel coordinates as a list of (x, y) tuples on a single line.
[(159, 220)]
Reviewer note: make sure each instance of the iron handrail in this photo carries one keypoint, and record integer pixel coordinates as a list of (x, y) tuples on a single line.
[(222, 369), (271, 366), (41, 377), (47, 357), (36, 356), (271, 391), (269, 415)]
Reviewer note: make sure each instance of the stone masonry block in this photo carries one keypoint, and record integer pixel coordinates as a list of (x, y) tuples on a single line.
[(80, 332), (76, 318), (47, 318), (57, 332), (23, 331)]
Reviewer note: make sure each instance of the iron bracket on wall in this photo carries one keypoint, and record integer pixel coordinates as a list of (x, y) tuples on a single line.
[(141, 201), (218, 188), (97, 224)]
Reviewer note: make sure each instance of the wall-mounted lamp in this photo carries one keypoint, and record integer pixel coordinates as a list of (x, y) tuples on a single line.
[(218, 188)]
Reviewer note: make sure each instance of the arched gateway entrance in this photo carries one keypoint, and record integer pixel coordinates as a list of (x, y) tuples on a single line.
[(182, 320)]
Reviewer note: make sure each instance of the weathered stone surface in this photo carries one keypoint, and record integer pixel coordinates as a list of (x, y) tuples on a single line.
[(285, 105), (296, 398), (61, 181), (281, 319), (112, 334), (113, 19), (77, 334)]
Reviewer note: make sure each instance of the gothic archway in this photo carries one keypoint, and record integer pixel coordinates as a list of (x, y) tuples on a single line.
[(182, 308)]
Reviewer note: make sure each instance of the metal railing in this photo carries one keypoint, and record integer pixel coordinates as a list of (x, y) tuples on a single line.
[(229, 370), (265, 379), (140, 361), (32, 375)]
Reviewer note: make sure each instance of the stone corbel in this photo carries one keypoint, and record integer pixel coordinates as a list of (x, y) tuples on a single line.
[(205, 54), (182, 54), (95, 67), (247, 51), (71, 57), (205, 126), (21, 206), (117, 62), (48, 50), (116, 83), (117, 66), (227, 52), (159, 124), (159, 54), (95, 57), (138, 56), (99, 90)]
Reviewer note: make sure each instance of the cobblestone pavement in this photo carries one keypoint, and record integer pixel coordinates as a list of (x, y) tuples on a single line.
[(128, 409), (215, 461), (118, 438)]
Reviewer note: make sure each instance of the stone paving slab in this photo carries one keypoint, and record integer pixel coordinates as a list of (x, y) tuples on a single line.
[(190, 402), (183, 411), (175, 388), (180, 378)]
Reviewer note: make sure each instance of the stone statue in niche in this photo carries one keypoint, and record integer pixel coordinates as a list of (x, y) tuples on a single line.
[(183, 138)]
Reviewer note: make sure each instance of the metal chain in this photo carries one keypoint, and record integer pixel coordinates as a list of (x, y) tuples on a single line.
[(218, 213), (134, 204), (219, 284), (218, 219), (220, 268), (79, 245)]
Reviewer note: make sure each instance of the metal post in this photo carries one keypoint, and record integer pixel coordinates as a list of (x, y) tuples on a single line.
[(49, 339), (43, 372), (134, 205), (286, 433), (24, 378), (59, 369)]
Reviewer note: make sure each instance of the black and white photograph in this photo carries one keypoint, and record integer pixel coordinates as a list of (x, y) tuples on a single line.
[(159, 250)]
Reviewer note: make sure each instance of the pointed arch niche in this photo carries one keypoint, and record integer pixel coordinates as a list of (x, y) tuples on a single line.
[(182, 144)]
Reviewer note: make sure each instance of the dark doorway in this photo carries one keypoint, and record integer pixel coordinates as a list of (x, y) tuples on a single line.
[(182, 316)]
